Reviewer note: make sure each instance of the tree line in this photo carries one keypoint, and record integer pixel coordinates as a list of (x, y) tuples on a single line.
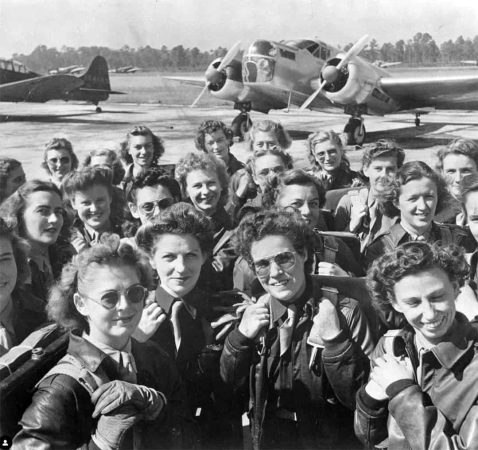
[(419, 50)]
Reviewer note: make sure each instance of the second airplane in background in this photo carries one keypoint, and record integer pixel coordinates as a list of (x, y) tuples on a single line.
[(311, 74)]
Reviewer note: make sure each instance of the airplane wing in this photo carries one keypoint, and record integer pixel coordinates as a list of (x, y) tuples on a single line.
[(193, 81), (441, 91), (40, 89)]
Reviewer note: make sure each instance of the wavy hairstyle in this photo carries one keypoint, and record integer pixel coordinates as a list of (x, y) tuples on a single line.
[(181, 219), (461, 146), (256, 154), (202, 161), (7, 165), (409, 259), (12, 209), (413, 170), (209, 127), (141, 130), (114, 163), (21, 249), (61, 307), (255, 227), (82, 180), (334, 139), (383, 148), (269, 126), (59, 144)]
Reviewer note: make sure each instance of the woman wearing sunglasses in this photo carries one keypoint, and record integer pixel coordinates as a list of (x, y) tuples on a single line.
[(181, 318), (59, 159), (108, 390), (306, 353)]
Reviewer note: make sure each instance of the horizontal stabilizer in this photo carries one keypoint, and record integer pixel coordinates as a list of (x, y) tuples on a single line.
[(100, 91)]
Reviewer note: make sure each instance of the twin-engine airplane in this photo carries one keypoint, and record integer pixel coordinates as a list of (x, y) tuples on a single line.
[(312, 74), (18, 84)]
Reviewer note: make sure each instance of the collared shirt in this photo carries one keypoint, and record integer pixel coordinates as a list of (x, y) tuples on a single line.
[(7, 331), (425, 236), (42, 260)]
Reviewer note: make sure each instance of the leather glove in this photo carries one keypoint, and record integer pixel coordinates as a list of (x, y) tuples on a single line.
[(111, 428), (148, 402)]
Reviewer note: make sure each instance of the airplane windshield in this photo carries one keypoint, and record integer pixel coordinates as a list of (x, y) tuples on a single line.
[(259, 62)]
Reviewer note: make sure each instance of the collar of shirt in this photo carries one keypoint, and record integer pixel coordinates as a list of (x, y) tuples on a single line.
[(278, 309), (41, 259), (112, 352), (7, 331), (424, 236), (165, 300)]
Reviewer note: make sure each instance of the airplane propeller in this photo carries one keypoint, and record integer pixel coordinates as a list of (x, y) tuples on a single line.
[(330, 73), (214, 75)]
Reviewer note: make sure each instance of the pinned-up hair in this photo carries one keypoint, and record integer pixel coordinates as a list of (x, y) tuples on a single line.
[(58, 143), (141, 130), (269, 126), (82, 180)]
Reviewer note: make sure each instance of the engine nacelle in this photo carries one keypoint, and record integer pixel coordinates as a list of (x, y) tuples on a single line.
[(226, 84), (357, 85)]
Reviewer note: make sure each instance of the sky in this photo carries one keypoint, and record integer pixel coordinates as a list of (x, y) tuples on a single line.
[(208, 24)]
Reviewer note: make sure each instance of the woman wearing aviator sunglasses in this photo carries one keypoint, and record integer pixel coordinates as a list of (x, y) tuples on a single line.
[(107, 383), (59, 159), (306, 353)]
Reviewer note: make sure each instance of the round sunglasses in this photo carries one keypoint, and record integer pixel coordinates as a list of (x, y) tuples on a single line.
[(136, 293)]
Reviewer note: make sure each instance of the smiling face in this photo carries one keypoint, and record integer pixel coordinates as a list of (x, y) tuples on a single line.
[(8, 272), (93, 206), (43, 217), (141, 149), (328, 155), (217, 144), (265, 167), (15, 179), (456, 168), (114, 326), (178, 260), (204, 190), (427, 300), (286, 284), (380, 171), (150, 201), (304, 199), (417, 203), (59, 163)]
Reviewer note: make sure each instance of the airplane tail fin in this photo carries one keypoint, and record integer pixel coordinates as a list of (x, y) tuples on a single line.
[(97, 80)]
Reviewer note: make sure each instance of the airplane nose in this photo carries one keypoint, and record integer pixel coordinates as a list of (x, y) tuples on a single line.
[(330, 73)]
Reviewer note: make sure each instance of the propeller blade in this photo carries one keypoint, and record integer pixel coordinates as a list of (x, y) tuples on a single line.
[(354, 51), (194, 103), (230, 55), (311, 98)]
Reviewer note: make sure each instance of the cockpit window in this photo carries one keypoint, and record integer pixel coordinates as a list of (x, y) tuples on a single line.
[(259, 62), (264, 48)]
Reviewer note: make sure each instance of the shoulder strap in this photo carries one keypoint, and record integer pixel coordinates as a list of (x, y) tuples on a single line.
[(331, 247), (446, 235), (70, 366)]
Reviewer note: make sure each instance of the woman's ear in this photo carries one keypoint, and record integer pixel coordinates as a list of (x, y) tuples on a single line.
[(396, 306), (80, 304), (133, 209)]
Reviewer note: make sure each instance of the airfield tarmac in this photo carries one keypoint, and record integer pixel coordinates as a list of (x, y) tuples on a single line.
[(26, 127)]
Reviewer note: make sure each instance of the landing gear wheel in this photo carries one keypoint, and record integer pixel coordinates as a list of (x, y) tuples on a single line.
[(355, 131), (241, 125), (98, 109)]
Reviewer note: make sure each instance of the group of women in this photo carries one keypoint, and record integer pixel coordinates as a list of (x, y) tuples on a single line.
[(232, 288)]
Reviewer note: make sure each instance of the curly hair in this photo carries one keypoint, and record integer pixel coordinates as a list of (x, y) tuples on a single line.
[(256, 154), (181, 219), (383, 148), (209, 127), (152, 177), (141, 130), (13, 208), (59, 144), (202, 161), (409, 259), (269, 126), (7, 165), (326, 136), (461, 146), (61, 308), (255, 227), (289, 178), (114, 163), (82, 180), (21, 249), (413, 170)]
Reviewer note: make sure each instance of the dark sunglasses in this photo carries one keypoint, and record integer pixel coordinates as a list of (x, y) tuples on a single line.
[(284, 260), (63, 160), (134, 294), (149, 207)]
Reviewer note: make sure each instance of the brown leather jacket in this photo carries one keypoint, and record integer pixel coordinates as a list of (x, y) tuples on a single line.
[(59, 416), (438, 414)]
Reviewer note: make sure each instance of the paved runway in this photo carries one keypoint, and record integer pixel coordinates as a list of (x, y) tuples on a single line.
[(26, 127)]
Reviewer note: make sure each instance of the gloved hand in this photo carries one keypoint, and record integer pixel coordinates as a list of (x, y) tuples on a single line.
[(111, 428), (148, 402)]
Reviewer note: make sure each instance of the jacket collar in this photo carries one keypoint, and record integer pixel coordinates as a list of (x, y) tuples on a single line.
[(278, 309), (165, 300), (91, 356)]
